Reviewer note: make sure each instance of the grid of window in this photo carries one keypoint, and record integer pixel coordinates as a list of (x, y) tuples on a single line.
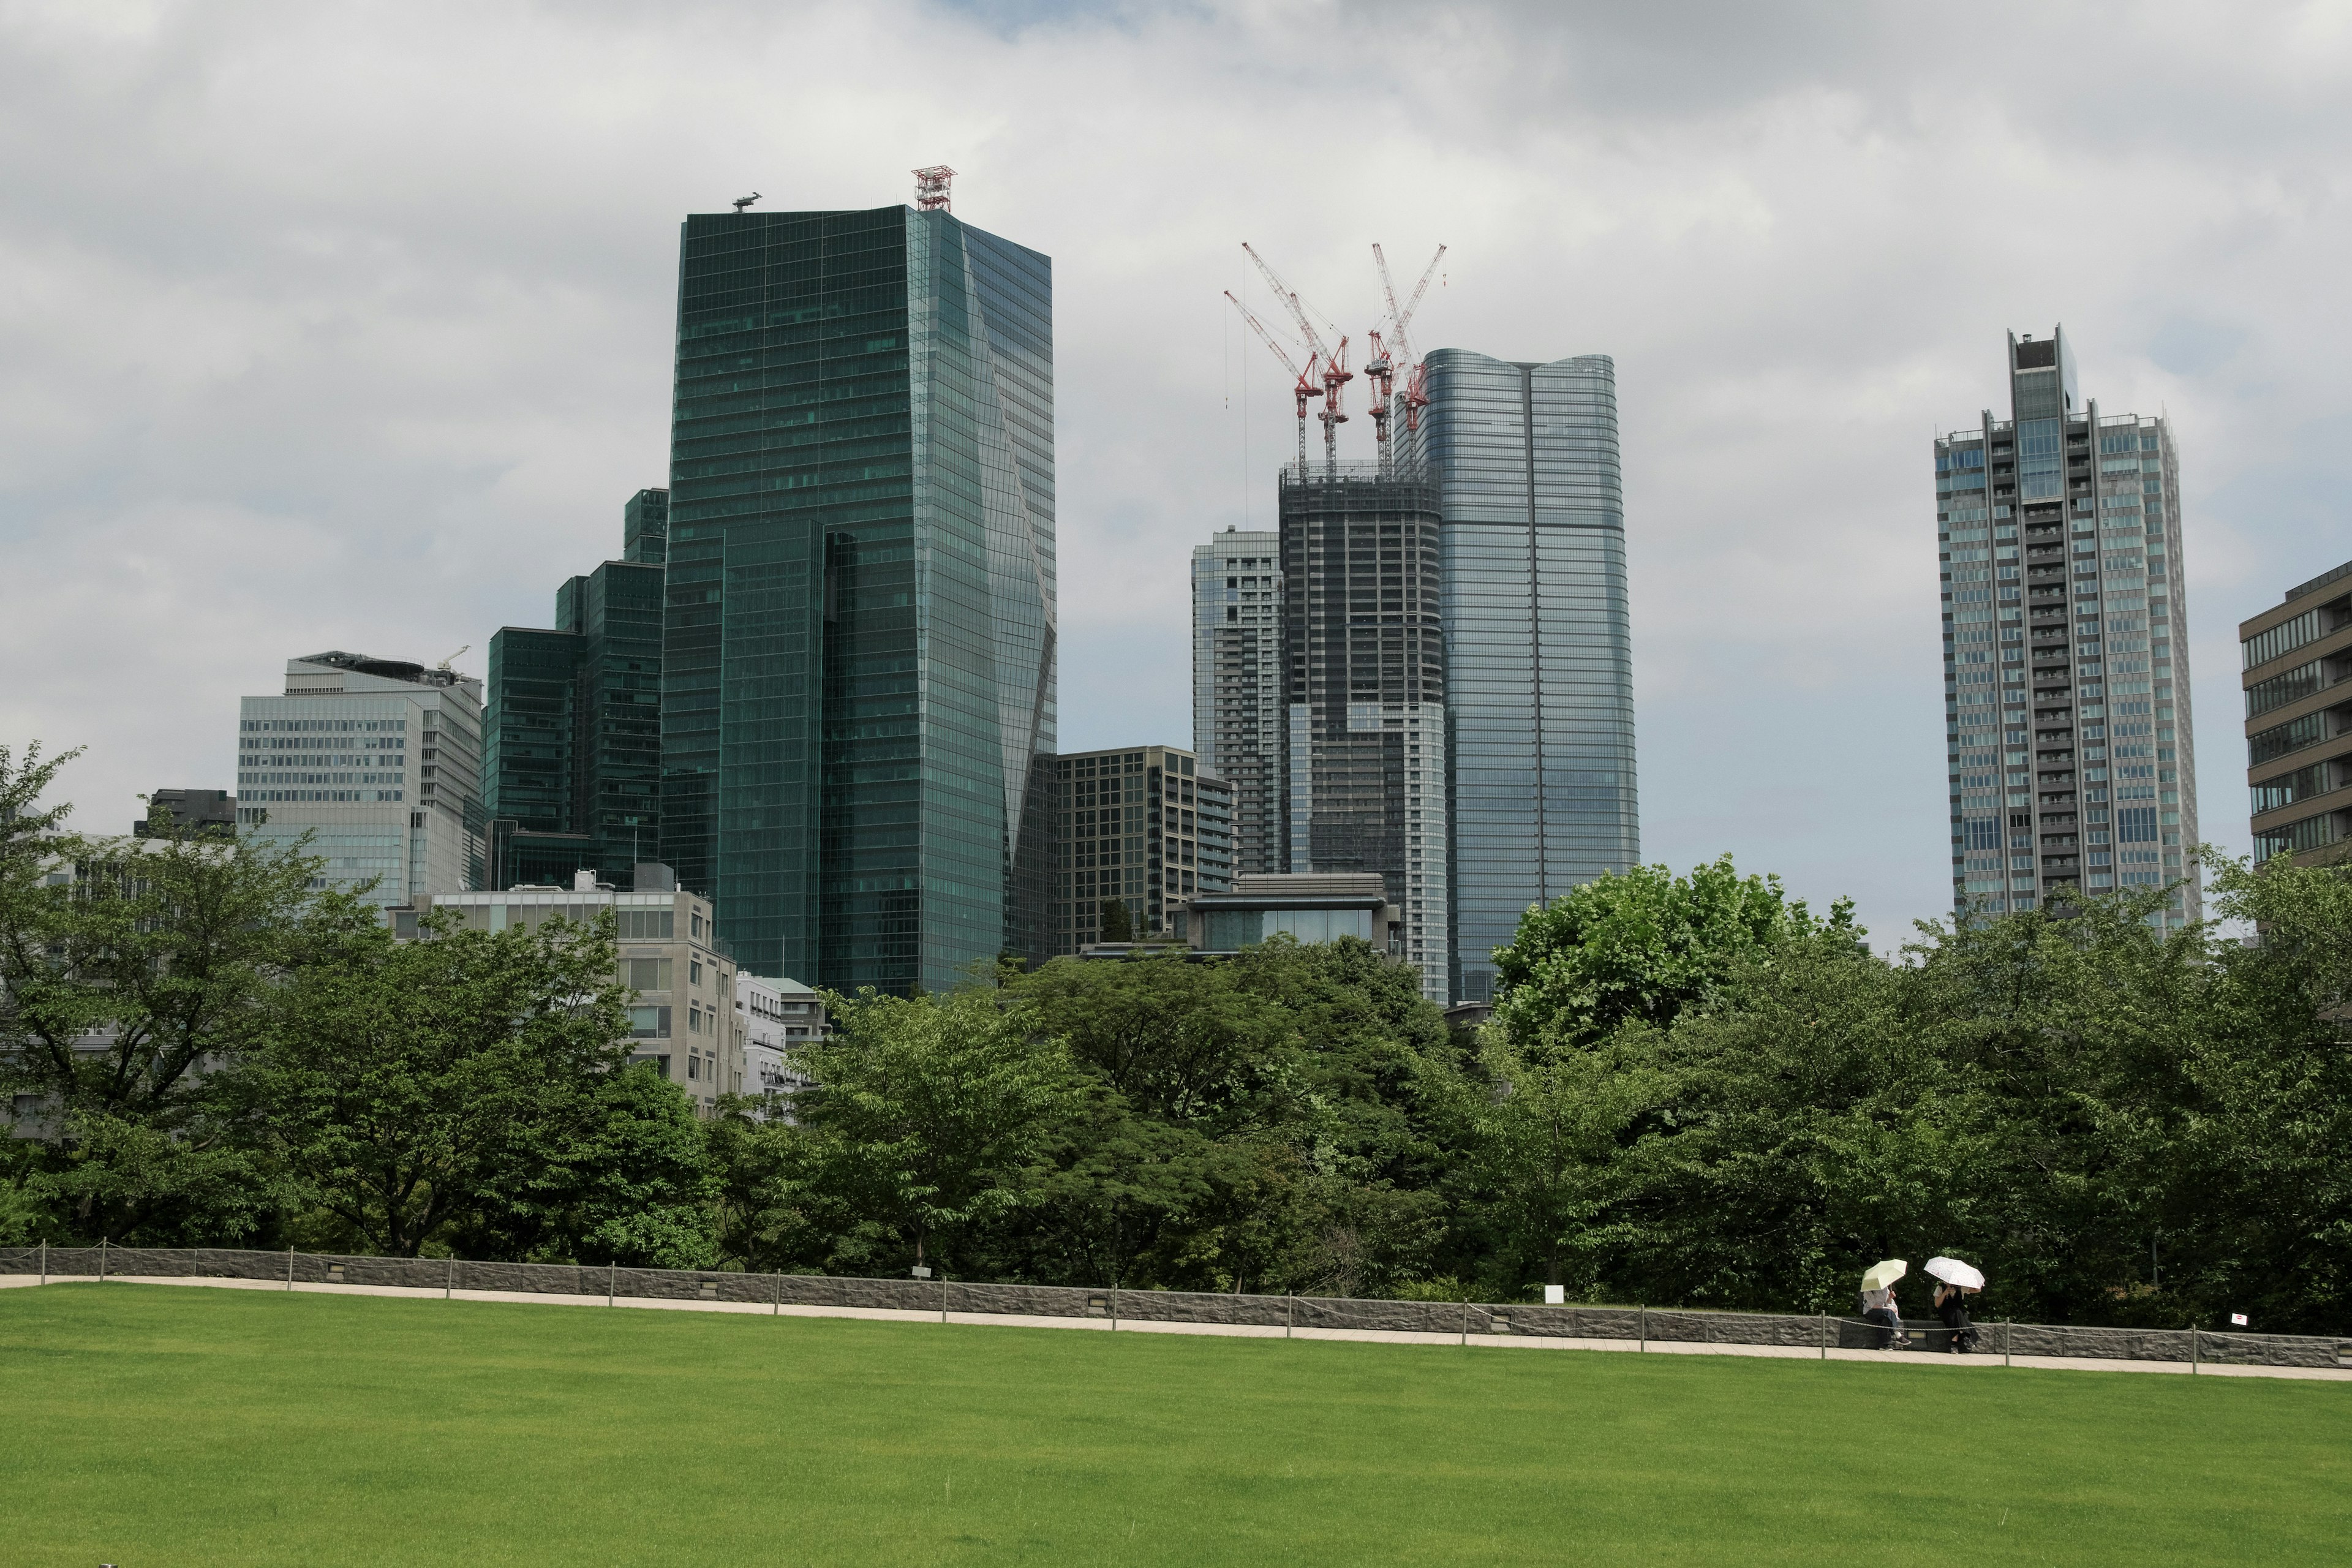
[(1145, 828), (1238, 728), (1537, 637), (2063, 690), (859, 620)]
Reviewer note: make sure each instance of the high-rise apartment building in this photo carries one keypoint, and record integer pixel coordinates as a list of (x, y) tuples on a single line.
[(206, 813), (859, 686), (1523, 461), (2067, 704), (1239, 715), (2298, 656), (573, 734), (1365, 688), (1145, 826), (379, 761)]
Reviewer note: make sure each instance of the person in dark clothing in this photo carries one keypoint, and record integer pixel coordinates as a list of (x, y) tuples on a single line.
[(1952, 1306), (1878, 1307)]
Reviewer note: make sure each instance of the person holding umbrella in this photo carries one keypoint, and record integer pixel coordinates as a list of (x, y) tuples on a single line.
[(1954, 1281), (1878, 1302)]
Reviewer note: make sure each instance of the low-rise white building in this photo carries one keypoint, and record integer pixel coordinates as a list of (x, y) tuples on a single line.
[(776, 1017)]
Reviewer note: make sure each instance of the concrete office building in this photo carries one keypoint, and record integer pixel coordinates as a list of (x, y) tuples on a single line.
[(1144, 825), (1239, 717), (380, 762), (682, 1018), (573, 734), (1523, 461), (858, 712), (2297, 658), (1365, 692), (779, 1018), (2067, 704)]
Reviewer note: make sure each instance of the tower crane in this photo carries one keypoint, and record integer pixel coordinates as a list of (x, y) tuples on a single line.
[(1304, 391), (1336, 373), (1416, 378)]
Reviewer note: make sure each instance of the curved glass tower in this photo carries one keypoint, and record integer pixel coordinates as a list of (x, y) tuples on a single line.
[(1539, 644)]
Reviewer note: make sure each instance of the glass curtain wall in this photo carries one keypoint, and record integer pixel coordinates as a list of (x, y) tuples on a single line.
[(859, 636), (1538, 636)]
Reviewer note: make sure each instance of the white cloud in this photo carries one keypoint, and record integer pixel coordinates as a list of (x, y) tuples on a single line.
[(349, 326)]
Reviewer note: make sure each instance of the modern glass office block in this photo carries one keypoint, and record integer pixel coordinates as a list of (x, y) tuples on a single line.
[(1524, 461), (860, 657), (2067, 704), (573, 749)]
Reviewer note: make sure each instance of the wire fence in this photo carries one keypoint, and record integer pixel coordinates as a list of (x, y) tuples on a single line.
[(944, 1297)]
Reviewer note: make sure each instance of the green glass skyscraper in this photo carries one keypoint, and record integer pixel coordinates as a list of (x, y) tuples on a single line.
[(571, 754), (858, 638)]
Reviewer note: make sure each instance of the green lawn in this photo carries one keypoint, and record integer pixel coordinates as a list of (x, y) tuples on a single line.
[(146, 1425)]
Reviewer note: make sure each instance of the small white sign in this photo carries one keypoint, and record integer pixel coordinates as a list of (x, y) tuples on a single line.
[(1555, 1295), (2239, 1319), (922, 1271)]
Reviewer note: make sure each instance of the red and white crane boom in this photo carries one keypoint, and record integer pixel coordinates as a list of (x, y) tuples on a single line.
[(1305, 390)]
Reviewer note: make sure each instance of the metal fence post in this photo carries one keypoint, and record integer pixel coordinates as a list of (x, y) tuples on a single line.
[(943, 1295), (2005, 1326), (289, 1269), (45, 1263), (779, 1298), (1646, 1325), (102, 1260), (2192, 1350), (611, 1282), (1290, 1314), (1465, 1325), (1825, 1336), (449, 1279), (1114, 1309)]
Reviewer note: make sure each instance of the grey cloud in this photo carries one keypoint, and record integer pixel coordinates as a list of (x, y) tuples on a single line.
[(349, 326)]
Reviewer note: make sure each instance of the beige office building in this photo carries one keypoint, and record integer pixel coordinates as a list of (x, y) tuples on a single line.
[(682, 1018)]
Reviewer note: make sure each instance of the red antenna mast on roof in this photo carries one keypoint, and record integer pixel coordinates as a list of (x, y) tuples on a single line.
[(931, 188)]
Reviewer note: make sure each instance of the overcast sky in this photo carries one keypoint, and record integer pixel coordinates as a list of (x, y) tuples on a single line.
[(349, 326)]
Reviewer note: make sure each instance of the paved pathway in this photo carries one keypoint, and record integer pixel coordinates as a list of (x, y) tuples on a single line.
[(1380, 1336)]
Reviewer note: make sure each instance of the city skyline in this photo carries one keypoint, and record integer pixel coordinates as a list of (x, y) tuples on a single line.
[(1789, 315)]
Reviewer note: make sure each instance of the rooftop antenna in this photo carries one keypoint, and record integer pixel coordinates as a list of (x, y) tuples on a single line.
[(742, 202), (931, 189), (467, 649)]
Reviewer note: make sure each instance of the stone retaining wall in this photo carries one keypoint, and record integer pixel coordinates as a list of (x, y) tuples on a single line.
[(1664, 1325)]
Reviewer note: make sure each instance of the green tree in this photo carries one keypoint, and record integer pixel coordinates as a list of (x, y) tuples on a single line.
[(1115, 925), (472, 1083), (140, 976), (927, 1112), (1641, 946)]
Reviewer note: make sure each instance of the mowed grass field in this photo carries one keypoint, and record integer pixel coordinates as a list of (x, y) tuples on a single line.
[(147, 1425)]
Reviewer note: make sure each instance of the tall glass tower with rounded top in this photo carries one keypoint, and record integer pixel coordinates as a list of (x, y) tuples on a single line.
[(1539, 645)]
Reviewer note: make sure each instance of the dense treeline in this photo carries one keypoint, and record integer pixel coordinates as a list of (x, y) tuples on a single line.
[(1694, 1092)]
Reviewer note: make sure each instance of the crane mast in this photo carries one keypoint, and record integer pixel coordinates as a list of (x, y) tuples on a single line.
[(1306, 388)]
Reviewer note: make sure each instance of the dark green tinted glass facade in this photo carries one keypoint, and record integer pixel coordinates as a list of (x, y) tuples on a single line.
[(573, 724), (859, 638), (527, 728)]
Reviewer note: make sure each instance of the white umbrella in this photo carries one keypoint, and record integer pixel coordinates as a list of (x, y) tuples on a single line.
[(1879, 1276), (1952, 1272)]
